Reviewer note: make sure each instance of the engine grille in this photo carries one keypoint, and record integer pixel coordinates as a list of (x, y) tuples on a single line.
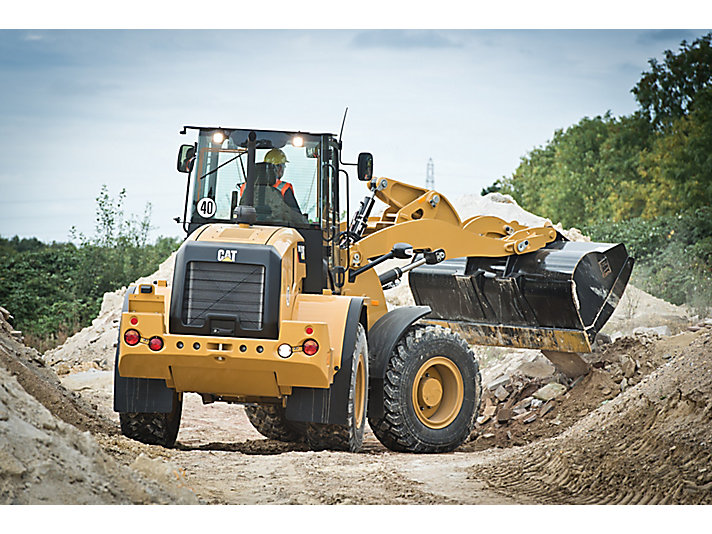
[(224, 288)]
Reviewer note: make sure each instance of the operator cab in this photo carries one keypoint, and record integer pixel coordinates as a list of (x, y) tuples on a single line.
[(289, 178)]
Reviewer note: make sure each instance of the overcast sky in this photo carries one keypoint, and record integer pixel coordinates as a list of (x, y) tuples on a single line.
[(79, 109)]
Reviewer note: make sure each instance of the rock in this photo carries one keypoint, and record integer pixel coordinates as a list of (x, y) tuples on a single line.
[(627, 366), (530, 419), (536, 403), (489, 411), (487, 436), (624, 384), (694, 328), (501, 393), (550, 391), (548, 406), (6, 314), (603, 339), (504, 414), (656, 330), (538, 368), (524, 403), (497, 382), (11, 466)]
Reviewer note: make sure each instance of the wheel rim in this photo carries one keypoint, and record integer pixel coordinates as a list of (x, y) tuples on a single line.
[(438, 392), (360, 391)]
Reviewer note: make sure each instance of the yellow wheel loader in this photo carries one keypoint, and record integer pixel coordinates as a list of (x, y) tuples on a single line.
[(276, 302)]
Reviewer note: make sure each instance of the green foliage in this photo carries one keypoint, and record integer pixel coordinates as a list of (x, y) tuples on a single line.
[(668, 91), (586, 172), (673, 254), (54, 290)]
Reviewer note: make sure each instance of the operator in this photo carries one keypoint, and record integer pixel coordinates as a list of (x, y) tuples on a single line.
[(279, 159)]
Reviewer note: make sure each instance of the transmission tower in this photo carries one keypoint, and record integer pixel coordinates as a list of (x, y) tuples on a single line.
[(430, 175)]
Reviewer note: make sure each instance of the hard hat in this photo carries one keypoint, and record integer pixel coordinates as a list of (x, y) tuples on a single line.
[(276, 156)]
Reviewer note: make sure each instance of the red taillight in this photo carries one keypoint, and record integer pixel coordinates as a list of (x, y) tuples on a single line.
[(132, 337), (155, 343), (310, 347), (309, 330), (134, 321)]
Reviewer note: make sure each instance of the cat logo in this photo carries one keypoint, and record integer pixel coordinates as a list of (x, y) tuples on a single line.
[(226, 255)]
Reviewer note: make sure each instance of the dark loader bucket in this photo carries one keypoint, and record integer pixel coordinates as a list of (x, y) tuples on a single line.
[(556, 298)]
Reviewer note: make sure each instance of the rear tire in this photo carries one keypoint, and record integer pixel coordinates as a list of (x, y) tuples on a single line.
[(348, 437), (269, 420), (154, 428), (432, 392)]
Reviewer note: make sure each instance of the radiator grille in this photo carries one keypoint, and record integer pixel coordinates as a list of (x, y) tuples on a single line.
[(224, 288)]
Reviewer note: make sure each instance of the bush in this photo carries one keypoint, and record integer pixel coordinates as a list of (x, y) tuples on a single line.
[(673, 255), (54, 290)]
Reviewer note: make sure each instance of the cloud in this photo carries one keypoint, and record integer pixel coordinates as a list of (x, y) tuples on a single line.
[(656, 36), (402, 39)]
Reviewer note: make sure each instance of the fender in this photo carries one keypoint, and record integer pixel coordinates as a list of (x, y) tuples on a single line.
[(382, 339), (139, 395), (319, 405)]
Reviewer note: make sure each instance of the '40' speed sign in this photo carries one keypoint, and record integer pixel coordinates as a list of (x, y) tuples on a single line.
[(206, 207)]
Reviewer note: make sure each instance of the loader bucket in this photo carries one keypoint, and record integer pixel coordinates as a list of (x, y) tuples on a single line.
[(556, 298)]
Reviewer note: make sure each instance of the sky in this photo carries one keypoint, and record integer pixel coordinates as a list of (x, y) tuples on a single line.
[(82, 108)]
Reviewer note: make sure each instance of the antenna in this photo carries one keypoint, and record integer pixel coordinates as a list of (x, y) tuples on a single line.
[(342, 123), (430, 175)]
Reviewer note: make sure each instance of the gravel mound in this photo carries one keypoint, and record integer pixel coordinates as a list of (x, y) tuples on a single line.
[(48, 454), (649, 445)]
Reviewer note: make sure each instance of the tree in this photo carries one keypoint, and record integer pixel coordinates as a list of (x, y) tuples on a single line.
[(668, 91), (678, 165)]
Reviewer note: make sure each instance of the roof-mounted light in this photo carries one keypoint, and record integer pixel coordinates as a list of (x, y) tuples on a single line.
[(218, 138), (298, 141)]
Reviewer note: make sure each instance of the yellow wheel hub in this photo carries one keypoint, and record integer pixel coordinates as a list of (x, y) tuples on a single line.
[(360, 393), (438, 392)]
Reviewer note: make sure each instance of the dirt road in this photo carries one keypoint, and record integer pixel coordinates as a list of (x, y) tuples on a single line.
[(648, 444), (637, 429)]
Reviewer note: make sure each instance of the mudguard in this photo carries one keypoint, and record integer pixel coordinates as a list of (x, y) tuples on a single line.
[(382, 339), (319, 405), (139, 395)]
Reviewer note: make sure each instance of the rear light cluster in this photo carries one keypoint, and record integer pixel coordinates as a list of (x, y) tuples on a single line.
[(133, 338), (155, 343), (309, 347)]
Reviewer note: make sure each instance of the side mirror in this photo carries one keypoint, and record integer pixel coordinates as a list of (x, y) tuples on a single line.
[(186, 157), (365, 167)]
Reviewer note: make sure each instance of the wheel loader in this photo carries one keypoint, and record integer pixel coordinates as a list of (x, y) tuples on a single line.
[(280, 306)]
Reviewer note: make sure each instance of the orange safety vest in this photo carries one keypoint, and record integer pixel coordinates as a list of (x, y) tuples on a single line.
[(279, 185)]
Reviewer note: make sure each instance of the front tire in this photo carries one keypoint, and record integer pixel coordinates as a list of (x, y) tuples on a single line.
[(432, 392), (348, 437), (154, 428), (270, 421)]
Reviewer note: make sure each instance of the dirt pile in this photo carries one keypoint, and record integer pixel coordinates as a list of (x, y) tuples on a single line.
[(649, 444), (47, 452), (532, 401)]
